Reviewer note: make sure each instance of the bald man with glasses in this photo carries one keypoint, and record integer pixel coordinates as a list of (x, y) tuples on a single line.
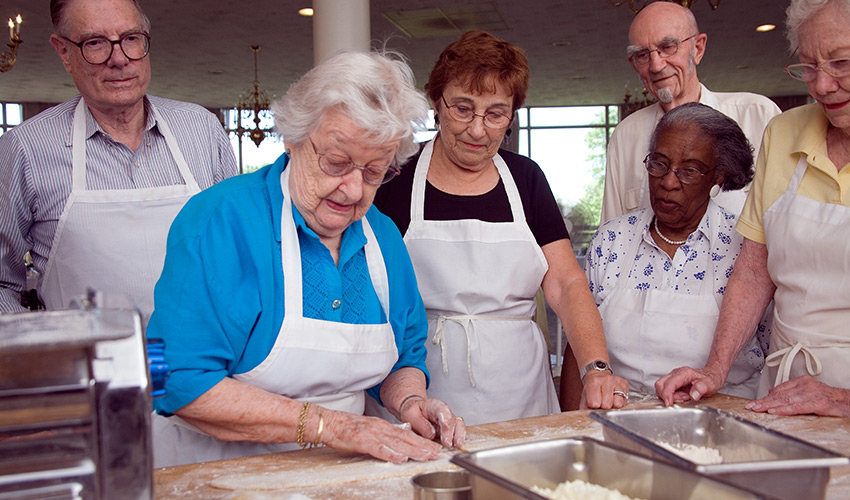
[(665, 48), (90, 187)]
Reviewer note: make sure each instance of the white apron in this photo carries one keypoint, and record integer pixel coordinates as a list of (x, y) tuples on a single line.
[(325, 362), (487, 359), (732, 201), (113, 240), (651, 332), (808, 257)]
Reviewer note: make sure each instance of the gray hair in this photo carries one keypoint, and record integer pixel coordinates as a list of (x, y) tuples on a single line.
[(733, 154), (57, 15), (801, 11), (377, 91)]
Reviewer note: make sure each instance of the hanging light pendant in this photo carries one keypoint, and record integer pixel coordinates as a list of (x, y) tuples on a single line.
[(255, 100)]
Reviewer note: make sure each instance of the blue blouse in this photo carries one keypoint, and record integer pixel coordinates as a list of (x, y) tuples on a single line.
[(219, 303)]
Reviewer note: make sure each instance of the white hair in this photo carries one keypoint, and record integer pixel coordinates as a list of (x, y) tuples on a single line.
[(377, 91), (801, 11)]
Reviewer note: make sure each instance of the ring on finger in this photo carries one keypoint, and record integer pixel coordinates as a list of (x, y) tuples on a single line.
[(621, 393)]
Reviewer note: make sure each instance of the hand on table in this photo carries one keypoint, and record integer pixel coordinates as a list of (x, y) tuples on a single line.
[(598, 391), (377, 437), (686, 384), (431, 418), (804, 395)]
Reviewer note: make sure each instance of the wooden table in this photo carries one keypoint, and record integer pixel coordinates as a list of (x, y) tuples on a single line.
[(323, 473)]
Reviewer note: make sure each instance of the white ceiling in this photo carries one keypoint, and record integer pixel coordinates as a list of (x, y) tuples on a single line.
[(200, 50)]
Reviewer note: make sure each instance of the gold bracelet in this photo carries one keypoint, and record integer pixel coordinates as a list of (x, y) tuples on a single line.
[(318, 440), (302, 422)]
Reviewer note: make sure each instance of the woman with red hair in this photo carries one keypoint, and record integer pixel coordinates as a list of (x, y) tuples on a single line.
[(485, 233)]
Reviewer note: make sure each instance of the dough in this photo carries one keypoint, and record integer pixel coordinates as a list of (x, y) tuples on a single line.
[(362, 469), (702, 455), (580, 490)]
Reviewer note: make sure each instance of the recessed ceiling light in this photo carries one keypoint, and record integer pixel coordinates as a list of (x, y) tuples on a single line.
[(562, 43), (306, 12), (766, 27)]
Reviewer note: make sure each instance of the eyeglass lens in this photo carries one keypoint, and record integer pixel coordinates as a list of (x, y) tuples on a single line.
[(466, 113), (664, 49), (658, 168), (98, 50), (373, 175), (836, 68)]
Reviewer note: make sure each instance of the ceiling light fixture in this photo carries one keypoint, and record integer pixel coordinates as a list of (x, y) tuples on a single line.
[(254, 101), (766, 27), (8, 58), (306, 11), (636, 5)]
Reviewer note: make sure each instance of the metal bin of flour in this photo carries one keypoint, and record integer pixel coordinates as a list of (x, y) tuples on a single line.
[(509, 472), (750, 455)]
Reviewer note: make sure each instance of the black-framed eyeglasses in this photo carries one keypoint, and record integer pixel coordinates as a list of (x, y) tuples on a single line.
[(668, 47), (98, 49), (465, 113), (658, 166), (807, 72), (372, 174)]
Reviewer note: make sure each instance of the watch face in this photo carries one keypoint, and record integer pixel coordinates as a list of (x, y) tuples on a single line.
[(601, 365)]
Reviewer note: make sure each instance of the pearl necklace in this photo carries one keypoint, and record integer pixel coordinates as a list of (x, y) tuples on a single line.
[(681, 242)]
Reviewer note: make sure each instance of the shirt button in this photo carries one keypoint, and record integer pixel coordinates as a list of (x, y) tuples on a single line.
[(336, 304)]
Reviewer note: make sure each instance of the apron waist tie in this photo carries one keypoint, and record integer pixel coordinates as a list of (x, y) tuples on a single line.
[(463, 320), (784, 358)]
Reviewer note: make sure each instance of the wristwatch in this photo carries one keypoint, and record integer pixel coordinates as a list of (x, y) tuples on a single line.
[(595, 365)]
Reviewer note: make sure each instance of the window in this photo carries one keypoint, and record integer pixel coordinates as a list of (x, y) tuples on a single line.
[(569, 144), (11, 114), (250, 156)]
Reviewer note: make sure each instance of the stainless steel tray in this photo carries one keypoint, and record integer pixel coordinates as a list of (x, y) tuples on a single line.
[(509, 472), (753, 456)]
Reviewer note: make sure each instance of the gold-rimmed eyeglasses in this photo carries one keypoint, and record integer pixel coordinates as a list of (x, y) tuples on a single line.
[(465, 113), (806, 72), (374, 175)]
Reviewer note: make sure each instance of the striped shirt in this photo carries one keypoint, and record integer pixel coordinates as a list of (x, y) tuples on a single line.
[(36, 174)]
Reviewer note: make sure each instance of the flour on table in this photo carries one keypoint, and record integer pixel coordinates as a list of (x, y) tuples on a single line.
[(361, 469), (702, 455), (580, 490)]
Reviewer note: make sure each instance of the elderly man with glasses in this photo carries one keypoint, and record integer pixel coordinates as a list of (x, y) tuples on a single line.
[(90, 187), (665, 47)]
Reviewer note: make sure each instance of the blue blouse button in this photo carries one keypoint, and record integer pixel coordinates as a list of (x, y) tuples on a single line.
[(336, 304)]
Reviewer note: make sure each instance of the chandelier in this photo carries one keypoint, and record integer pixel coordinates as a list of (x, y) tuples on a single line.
[(637, 5), (254, 100), (7, 58), (629, 106)]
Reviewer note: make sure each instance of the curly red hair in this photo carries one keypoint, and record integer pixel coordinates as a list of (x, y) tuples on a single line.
[(478, 61)]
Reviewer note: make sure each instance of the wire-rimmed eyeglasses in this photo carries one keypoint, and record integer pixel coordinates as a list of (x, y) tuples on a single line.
[(806, 72), (668, 47), (656, 166), (98, 49), (465, 113), (372, 174)]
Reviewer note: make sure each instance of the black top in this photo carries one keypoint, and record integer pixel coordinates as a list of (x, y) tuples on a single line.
[(541, 210)]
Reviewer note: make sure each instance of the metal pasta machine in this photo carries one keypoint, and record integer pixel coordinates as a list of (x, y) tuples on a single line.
[(75, 403)]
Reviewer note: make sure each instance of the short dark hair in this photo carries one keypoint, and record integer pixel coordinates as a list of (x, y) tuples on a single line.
[(733, 154), (57, 15), (477, 59)]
